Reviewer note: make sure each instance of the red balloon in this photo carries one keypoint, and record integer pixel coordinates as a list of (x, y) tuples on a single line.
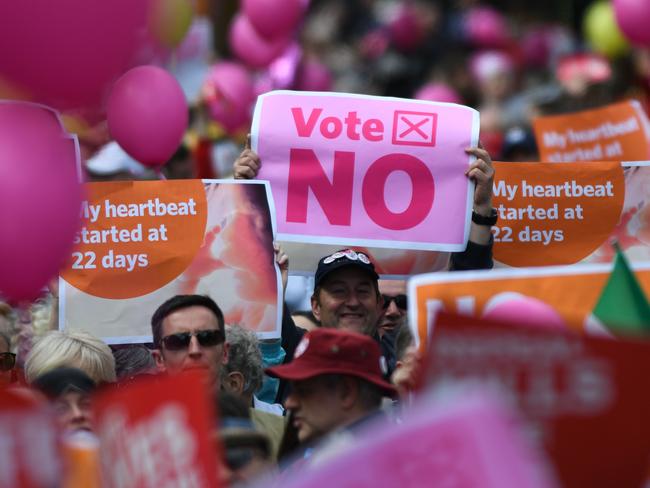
[(313, 75), (148, 114), (40, 198), (632, 17), (486, 27), (229, 93), (250, 47), (66, 54), (274, 19), (523, 310), (438, 92), (405, 30)]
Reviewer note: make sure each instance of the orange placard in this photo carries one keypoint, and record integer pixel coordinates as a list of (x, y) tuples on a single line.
[(555, 214), (573, 291), (617, 132), (144, 242), (142, 231)]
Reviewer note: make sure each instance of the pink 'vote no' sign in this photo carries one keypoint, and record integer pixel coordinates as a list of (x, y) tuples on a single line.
[(367, 171)]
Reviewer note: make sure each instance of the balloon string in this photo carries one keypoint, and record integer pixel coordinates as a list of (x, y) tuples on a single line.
[(160, 174)]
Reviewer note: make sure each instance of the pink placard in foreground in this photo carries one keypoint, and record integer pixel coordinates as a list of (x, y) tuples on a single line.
[(461, 438), (367, 171)]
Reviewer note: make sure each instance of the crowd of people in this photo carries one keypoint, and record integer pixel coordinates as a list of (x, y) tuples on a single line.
[(332, 378), (348, 358)]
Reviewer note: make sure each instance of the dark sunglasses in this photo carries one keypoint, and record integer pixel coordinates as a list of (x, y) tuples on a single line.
[(400, 301), (7, 361), (206, 338)]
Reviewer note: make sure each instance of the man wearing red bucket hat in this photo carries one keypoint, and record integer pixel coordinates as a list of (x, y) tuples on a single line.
[(337, 382)]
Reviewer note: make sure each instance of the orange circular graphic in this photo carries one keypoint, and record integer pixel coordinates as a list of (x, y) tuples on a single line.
[(555, 213), (136, 236)]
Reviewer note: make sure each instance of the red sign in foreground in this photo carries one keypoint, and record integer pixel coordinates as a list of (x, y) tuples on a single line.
[(586, 398), (157, 432), (29, 454)]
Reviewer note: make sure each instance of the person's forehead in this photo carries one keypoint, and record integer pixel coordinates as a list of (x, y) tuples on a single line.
[(73, 395), (189, 319), (392, 287), (311, 384), (348, 275)]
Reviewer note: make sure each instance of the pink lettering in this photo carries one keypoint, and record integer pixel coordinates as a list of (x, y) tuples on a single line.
[(303, 128), (373, 130), (335, 197), (422, 194), (351, 121), (331, 127)]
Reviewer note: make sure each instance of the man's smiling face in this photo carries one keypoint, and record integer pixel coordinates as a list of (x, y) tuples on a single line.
[(348, 299)]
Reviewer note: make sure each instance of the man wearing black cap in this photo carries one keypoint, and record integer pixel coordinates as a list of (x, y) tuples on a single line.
[(346, 295)]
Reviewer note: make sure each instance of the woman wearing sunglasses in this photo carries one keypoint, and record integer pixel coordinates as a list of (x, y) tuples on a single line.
[(7, 361)]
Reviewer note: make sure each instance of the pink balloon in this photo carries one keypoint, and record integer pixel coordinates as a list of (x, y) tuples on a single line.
[(147, 114), (283, 69), (632, 17), (484, 65), (274, 19), (313, 76), (405, 30), (229, 93), (374, 43), (281, 73), (536, 47), (486, 27), (67, 54), (523, 310), (251, 48), (438, 92), (40, 198)]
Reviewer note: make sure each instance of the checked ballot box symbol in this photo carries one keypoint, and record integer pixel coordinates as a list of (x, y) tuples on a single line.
[(414, 128)]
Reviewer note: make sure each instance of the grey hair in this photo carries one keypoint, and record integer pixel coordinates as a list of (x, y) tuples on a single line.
[(74, 349), (133, 360), (244, 356)]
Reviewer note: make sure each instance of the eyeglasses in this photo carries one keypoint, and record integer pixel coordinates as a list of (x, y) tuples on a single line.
[(400, 301), (206, 338), (7, 361)]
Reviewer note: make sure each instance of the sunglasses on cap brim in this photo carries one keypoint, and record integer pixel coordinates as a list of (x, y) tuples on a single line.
[(181, 340)]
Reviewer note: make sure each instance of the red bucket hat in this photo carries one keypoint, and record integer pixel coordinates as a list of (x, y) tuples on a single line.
[(335, 351)]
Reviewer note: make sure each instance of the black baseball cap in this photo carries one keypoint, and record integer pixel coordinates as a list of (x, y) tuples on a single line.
[(341, 259)]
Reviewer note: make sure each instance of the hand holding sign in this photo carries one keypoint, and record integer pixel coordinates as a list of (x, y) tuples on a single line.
[(367, 171), (247, 164), (481, 172)]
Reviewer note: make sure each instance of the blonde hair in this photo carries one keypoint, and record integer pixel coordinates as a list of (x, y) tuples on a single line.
[(76, 349)]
